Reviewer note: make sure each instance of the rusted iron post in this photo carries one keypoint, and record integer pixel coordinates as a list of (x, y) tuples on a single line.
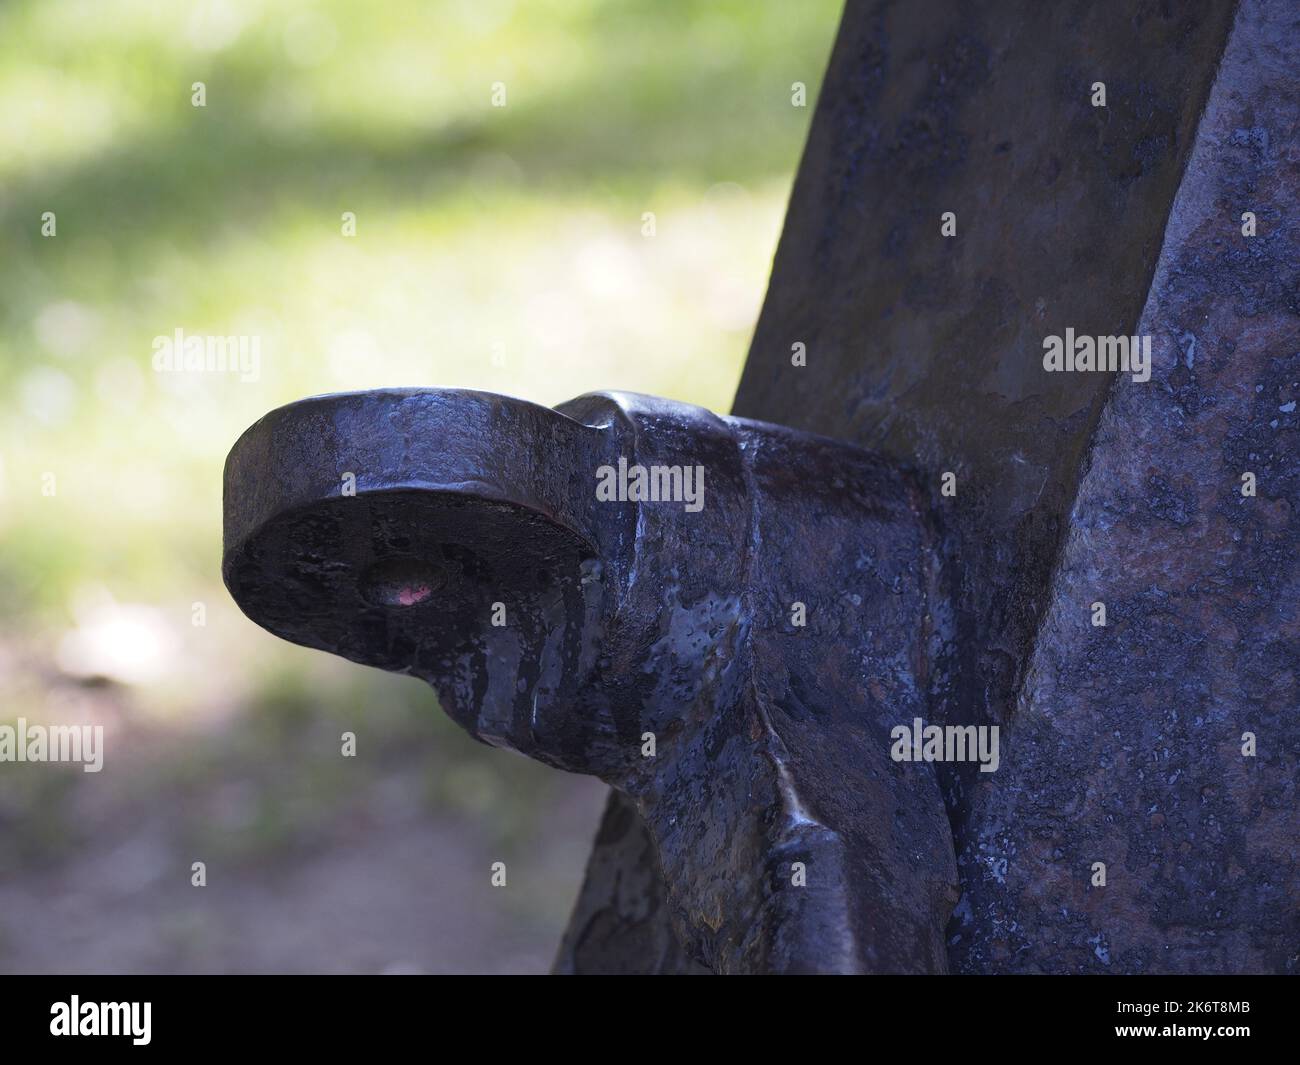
[(1168, 213)]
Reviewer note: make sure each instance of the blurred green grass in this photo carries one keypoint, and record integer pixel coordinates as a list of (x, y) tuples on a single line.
[(513, 230), (496, 248)]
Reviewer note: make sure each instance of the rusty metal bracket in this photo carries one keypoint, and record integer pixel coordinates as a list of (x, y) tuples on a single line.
[(978, 178), (730, 655)]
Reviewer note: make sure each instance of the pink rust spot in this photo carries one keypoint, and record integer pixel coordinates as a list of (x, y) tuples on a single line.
[(400, 582), (412, 594)]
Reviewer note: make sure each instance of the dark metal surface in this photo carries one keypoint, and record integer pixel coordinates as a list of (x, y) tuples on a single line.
[(929, 348), (1127, 741), (621, 922), (628, 619), (1123, 744)]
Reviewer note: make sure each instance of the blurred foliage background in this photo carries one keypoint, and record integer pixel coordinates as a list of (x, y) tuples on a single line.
[(500, 248)]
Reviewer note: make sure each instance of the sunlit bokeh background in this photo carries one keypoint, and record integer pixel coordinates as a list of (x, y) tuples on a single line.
[(501, 248)]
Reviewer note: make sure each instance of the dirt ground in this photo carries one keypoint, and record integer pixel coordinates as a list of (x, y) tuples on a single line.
[(314, 863)]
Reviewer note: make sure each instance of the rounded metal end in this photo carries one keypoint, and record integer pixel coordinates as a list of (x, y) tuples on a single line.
[(382, 526)]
